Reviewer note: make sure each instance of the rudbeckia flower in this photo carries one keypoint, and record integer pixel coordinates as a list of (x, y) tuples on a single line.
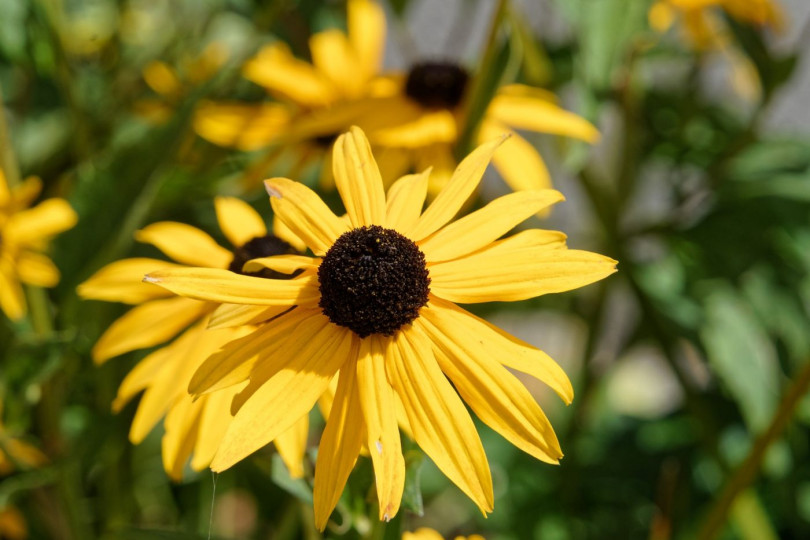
[(703, 27), (304, 117), (192, 426), (171, 85), (376, 304), (24, 236), (424, 113), (701, 22)]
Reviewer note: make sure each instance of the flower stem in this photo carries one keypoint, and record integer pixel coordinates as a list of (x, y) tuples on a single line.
[(483, 85), (747, 471)]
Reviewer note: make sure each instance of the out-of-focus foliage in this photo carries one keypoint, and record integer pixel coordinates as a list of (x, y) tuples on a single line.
[(681, 362)]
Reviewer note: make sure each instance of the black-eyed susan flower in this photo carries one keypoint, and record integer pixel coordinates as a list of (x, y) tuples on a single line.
[(702, 26), (24, 235), (193, 427), (376, 304), (427, 113), (304, 116)]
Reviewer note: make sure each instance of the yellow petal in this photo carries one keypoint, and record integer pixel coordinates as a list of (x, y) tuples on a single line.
[(215, 285), (238, 220), (479, 229), (366, 24), (423, 533), (32, 226), (284, 232), (291, 445), (147, 325), (233, 363), (122, 281), (162, 79), (214, 421), (37, 269), (333, 56), (185, 244), (441, 425), (518, 161), (170, 383), (246, 127), (507, 349), (285, 398), (26, 192), (426, 128), (182, 425), (12, 299), (524, 112), (141, 376), (340, 444), (305, 214), (495, 395), (463, 183), (406, 197), (379, 412), (276, 69), (358, 179), (285, 264), (230, 315), (440, 158), (517, 274)]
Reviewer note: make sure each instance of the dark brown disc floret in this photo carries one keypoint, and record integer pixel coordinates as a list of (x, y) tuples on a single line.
[(436, 85), (373, 281), (256, 248)]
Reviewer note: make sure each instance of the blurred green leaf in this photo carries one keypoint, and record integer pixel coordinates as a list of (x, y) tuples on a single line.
[(741, 356), (412, 495), (295, 486), (750, 519)]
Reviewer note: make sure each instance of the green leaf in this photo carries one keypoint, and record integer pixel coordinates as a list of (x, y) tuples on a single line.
[(741, 356), (297, 487), (412, 495)]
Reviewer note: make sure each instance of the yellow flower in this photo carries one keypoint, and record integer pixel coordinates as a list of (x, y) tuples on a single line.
[(701, 23), (425, 533), (192, 427), (704, 28), (423, 116), (304, 119), (172, 85), (376, 304), (24, 235)]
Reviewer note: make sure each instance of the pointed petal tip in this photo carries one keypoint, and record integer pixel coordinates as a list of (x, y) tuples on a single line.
[(271, 190)]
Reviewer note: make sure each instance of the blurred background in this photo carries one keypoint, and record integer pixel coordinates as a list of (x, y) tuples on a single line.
[(690, 365)]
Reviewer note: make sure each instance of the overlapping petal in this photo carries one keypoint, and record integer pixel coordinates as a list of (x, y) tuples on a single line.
[(358, 179), (121, 281), (238, 221), (185, 244)]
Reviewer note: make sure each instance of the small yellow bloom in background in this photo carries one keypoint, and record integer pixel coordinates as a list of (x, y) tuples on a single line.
[(15, 453), (702, 26), (24, 235), (173, 84), (425, 533), (192, 426), (304, 118), (377, 306)]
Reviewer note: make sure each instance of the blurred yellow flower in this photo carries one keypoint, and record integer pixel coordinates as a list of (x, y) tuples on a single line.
[(171, 85), (425, 533), (15, 453), (304, 118), (703, 27), (376, 305), (192, 426), (24, 236)]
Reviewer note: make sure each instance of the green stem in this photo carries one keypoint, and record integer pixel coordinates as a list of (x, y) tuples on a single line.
[(8, 162), (747, 471), (476, 102)]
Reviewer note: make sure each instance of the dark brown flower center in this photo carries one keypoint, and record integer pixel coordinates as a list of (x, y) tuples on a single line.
[(256, 248), (436, 85), (373, 281)]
